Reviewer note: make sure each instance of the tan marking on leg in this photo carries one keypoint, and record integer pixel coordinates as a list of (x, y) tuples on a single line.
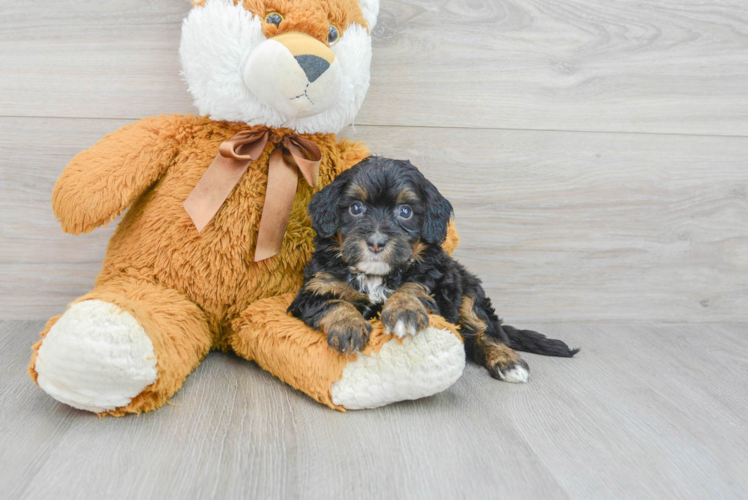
[(494, 352), (417, 290), (342, 313), (323, 283), (469, 318), (409, 297)]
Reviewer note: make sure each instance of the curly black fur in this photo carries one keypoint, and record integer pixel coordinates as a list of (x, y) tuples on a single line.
[(387, 260)]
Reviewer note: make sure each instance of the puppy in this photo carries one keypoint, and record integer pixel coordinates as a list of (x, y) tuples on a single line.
[(380, 226)]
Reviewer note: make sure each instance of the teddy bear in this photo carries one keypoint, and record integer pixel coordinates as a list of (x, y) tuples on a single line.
[(211, 249)]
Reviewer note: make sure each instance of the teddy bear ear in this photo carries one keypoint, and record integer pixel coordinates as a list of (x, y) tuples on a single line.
[(370, 8)]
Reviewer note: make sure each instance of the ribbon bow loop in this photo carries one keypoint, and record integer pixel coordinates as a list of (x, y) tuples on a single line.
[(294, 154), (306, 155), (244, 146)]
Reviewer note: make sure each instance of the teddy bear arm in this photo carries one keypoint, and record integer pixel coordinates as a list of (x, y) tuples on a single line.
[(100, 183), (387, 370)]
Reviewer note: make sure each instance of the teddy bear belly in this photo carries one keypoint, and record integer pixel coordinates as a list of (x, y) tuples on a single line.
[(215, 268)]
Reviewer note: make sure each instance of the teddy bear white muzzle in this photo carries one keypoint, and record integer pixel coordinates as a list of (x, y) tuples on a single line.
[(295, 74)]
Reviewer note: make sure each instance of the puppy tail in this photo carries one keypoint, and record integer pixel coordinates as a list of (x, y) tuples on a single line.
[(537, 343)]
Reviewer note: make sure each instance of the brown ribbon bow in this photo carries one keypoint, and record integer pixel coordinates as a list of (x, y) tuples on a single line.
[(292, 155)]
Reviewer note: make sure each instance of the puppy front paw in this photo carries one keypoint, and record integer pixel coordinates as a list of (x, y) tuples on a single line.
[(347, 330), (349, 336), (404, 317)]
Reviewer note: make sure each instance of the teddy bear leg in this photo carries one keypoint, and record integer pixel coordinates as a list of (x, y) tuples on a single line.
[(125, 347), (387, 371)]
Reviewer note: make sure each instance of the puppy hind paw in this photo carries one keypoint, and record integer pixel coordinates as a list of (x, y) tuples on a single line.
[(517, 372)]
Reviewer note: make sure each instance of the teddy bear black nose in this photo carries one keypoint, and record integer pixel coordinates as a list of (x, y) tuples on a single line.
[(313, 66)]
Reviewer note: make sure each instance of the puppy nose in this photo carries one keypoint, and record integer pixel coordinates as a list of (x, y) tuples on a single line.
[(313, 66), (376, 242)]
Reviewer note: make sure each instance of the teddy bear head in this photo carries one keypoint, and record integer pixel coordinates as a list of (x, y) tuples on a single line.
[(298, 64)]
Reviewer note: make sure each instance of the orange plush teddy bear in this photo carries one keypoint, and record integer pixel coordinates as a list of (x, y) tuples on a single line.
[(212, 249)]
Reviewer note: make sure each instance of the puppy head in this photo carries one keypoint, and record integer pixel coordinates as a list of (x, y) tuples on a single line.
[(383, 210), (299, 64)]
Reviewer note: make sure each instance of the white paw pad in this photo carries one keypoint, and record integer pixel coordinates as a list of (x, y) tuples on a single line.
[(96, 358), (423, 365)]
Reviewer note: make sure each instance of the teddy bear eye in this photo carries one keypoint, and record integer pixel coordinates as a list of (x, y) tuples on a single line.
[(274, 18), (332, 35)]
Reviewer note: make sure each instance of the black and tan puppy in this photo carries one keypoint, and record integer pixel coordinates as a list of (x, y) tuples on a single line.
[(379, 227)]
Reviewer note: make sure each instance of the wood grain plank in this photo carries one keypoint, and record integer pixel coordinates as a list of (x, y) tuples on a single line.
[(660, 409), (679, 67), (239, 433), (30, 428), (105, 59), (34, 154), (228, 437), (644, 411), (43, 290), (457, 444), (561, 226)]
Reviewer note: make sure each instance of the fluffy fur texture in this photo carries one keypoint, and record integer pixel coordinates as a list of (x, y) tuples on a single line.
[(426, 363), (387, 370), (106, 341), (220, 37), (385, 212), (167, 294)]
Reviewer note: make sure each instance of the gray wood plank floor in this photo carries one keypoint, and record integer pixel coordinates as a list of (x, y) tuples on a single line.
[(644, 411)]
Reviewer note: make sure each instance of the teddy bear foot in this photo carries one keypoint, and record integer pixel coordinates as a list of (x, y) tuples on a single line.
[(422, 365), (96, 358)]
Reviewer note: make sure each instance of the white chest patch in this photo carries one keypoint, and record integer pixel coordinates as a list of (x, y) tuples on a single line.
[(374, 287)]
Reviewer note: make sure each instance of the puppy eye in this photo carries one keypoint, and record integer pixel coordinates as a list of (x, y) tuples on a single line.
[(332, 35), (405, 212), (274, 18), (356, 209)]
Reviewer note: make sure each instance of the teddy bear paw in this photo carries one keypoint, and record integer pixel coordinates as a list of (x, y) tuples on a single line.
[(96, 358), (422, 365)]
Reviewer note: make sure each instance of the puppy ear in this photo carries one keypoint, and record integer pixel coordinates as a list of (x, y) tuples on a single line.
[(438, 213), (323, 208)]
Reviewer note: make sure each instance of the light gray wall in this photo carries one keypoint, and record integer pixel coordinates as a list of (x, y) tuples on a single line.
[(596, 152)]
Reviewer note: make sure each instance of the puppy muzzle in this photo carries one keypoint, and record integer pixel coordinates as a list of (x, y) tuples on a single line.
[(374, 253), (295, 74)]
